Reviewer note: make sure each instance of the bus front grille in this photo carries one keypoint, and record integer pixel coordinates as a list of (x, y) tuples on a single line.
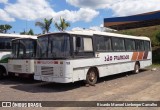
[(17, 68), (47, 70)]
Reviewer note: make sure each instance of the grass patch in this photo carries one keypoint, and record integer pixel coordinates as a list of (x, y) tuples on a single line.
[(154, 65)]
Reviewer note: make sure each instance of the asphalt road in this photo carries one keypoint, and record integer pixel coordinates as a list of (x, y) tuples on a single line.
[(144, 86)]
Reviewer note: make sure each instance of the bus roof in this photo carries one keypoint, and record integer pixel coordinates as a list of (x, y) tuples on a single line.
[(18, 36), (27, 37), (91, 33)]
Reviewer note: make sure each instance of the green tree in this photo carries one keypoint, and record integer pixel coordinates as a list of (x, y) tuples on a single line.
[(63, 25), (5, 28), (45, 25), (30, 32), (23, 33), (1, 28)]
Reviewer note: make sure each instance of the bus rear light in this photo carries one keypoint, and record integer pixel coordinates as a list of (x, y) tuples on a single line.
[(55, 62), (38, 62)]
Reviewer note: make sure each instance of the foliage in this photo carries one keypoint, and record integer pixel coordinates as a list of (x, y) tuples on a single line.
[(63, 25), (30, 32), (45, 25), (158, 36), (156, 55), (23, 33), (5, 28)]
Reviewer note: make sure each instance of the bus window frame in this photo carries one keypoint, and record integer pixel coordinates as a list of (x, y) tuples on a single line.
[(136, 45), (149, 45), (95, 39), (82, 54), (35, 48), (124, 44)]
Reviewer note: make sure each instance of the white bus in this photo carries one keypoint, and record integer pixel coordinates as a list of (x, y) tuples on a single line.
[(5, 51), (88, 55), (23, 53)]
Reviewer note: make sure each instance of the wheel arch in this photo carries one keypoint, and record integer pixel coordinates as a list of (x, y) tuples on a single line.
[(3, 69), (96, 69), (137, 62)]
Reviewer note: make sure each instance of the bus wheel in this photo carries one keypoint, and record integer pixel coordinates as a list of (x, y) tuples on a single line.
[(2, 72), (91, 77), (136, 68)]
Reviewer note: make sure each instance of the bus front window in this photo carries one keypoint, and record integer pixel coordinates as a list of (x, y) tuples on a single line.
[(24, 48), (57, 46), (42, 45), (27, 48)]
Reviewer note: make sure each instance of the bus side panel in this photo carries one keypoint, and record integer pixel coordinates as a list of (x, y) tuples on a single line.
[(147, 61), (115, 68), (79, 74)]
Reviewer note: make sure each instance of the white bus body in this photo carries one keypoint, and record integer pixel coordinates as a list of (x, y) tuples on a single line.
[(23, 54), (5, 51), (91, 61)]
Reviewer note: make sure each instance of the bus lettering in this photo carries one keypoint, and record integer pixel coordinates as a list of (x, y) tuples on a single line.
[(116, 57)]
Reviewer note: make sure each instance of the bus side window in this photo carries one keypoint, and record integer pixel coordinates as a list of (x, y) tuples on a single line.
[(103, 43), (118, 44), (78, 44), (84, 48), (82, 44), (88, 45), (139, 45), (147, 45), (130, 44)]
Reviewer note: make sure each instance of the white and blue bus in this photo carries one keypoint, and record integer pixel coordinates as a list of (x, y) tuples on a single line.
[(66, 57)]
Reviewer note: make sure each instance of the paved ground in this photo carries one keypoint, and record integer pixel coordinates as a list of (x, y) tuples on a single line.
[(144, 86)]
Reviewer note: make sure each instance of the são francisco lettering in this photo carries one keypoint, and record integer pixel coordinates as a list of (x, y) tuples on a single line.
[(116, 57)]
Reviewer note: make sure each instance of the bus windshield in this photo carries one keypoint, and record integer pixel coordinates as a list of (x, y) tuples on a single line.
[(24, 48), (5, 44), (53, 46)]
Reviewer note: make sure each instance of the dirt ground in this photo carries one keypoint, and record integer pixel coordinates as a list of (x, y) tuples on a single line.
[(144, 86)]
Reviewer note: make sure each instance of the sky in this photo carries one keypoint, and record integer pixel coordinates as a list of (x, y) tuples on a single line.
[(89, 14)]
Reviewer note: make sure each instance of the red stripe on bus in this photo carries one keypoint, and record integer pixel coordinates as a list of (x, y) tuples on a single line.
[(145, 55), (140, 56), (55, 62), (134, 56)]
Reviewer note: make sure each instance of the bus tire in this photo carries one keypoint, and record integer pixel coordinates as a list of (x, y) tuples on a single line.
[(2, 73), (92, 77), (136, 68)]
